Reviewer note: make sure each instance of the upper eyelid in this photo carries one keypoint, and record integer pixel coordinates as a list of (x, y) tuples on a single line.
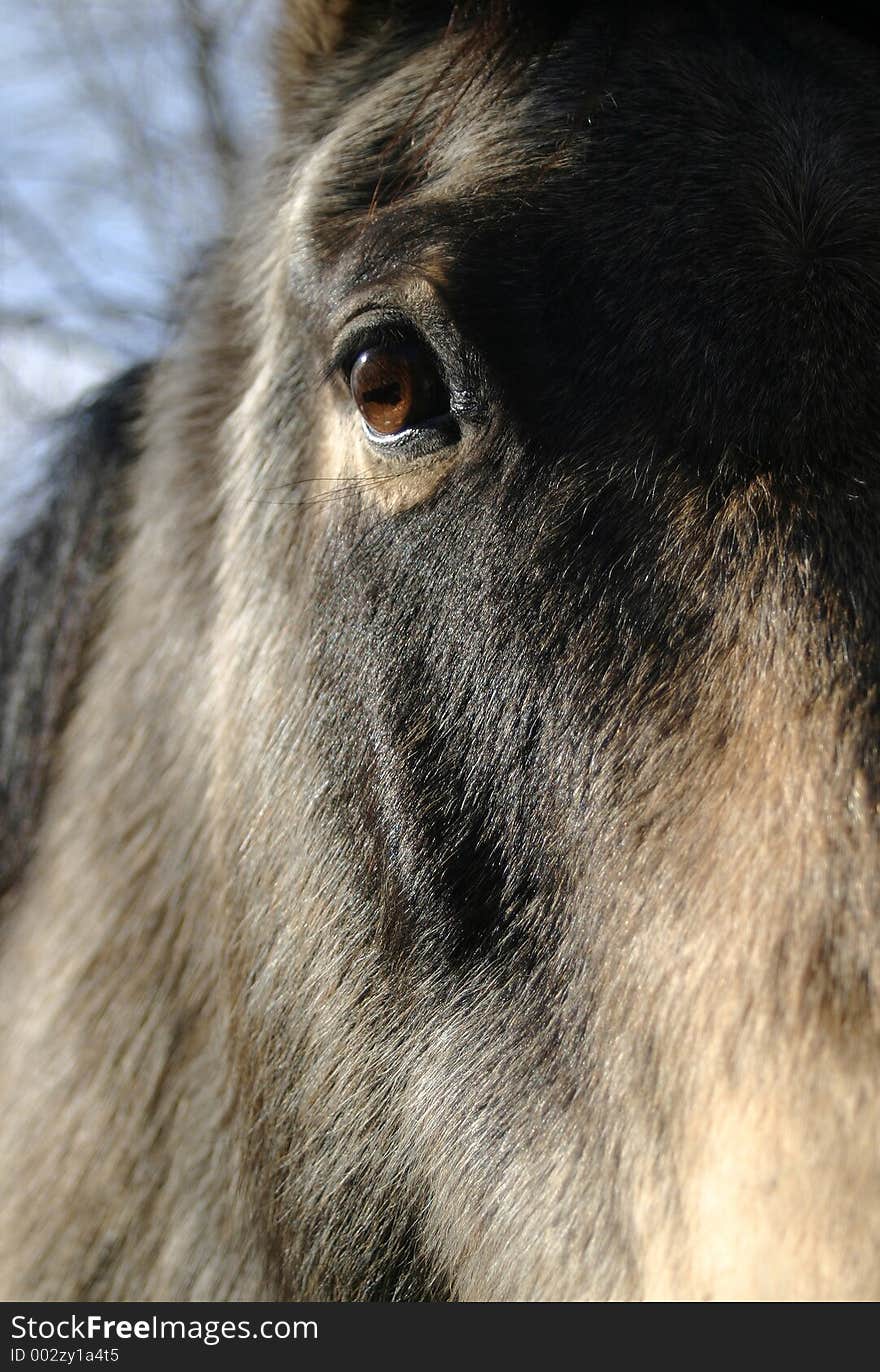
[(412, 309), (373, 335), (364, 334)]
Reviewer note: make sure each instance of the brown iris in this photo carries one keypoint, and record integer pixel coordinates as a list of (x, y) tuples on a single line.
[(396, 387)]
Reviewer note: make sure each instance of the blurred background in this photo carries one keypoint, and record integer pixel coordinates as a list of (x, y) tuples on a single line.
[(124, 127)]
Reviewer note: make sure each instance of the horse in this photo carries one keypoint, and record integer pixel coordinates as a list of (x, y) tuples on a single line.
[(439, 695)]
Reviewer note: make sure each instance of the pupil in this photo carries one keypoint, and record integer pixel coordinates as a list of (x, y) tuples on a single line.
[(389, 394), (392, 388)]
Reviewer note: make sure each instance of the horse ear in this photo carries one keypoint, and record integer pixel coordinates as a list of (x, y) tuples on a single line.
[(311, 32)]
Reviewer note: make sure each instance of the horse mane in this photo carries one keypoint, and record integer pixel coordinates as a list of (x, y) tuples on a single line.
[(50, 587)]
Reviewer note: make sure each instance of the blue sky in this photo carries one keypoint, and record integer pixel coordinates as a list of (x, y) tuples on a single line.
[(109, 183)]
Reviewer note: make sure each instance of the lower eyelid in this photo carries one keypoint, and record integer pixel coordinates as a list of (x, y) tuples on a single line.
[(419, 440)]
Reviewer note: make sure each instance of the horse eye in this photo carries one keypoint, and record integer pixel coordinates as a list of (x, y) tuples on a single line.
[(397, 387)]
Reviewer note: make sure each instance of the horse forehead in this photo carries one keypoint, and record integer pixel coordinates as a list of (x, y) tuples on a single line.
[(416, 140), (704, 203), (421, 140)]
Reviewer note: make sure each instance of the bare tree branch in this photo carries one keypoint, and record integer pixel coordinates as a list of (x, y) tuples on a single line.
[(203, 37), (121, 129), (46, 248), (107, 97)]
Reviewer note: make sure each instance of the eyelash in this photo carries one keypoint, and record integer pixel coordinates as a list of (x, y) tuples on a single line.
[(378, 335)]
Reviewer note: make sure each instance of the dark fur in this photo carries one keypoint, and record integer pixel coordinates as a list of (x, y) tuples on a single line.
[(48, 594), (475, 892)]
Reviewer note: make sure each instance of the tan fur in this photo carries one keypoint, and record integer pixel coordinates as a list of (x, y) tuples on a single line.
[(120, 880)]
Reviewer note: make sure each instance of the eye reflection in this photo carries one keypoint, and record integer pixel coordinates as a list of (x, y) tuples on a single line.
[(397, 388)]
